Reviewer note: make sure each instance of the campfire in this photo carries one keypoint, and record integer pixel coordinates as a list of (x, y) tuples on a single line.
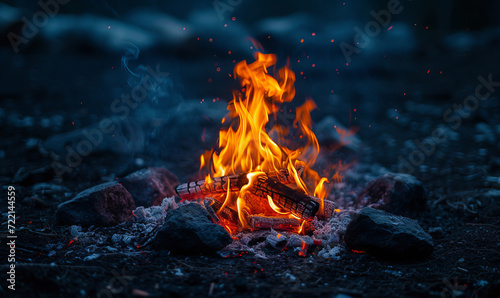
[(258, 176)]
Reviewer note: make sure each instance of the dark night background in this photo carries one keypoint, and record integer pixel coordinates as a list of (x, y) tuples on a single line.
[(394, 93)]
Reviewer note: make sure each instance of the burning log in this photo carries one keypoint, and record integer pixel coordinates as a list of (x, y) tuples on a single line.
[(224, 212), (208, 206), (201, 189), (285, 177), (290, 200), (327, 210), (278, 223), (218, 185)]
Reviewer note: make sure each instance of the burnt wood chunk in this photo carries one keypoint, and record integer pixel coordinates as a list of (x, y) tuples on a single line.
[(200, 189), (258, 222), (328, 208), (291, 200)]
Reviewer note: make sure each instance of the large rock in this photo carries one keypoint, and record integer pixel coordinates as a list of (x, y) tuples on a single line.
[(381, 233), (105, 204), (401, 194), (149, 187), (188, 230)]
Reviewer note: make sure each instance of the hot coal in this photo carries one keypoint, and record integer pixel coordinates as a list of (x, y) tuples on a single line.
[(149, 187), (401, 194), (388, 235), (105, 204), (188, 230)]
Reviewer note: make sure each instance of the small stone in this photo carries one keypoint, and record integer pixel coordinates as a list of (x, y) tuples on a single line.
[(188, 230), (436, 233), (91, 257), (289, 277), (178, 272), (149, 187), (105, 204), (75, 230), (388, 235), (401, 194)]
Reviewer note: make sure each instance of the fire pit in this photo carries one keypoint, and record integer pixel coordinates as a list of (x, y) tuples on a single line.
[(260, 189)]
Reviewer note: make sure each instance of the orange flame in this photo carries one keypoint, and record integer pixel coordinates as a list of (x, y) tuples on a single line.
[(245, 146)]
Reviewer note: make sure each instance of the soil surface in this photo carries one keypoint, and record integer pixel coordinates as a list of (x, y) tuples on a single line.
[(390, 101)]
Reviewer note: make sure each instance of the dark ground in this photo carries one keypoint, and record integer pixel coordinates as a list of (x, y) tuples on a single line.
[(462, 174)]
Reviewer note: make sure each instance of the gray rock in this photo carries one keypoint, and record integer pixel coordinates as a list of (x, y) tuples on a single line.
[(188, 230), (105, 204), (149, 187), (388, 235), (401, 194)]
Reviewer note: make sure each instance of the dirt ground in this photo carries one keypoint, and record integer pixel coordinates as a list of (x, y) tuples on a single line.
[(461, 176)]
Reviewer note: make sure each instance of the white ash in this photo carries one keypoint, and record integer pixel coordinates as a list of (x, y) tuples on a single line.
[(329, 232), (332, 231), (121, 238), (331, 253), (126, 237)]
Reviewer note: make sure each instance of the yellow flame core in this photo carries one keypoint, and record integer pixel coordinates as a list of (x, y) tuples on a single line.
[(245, 146)]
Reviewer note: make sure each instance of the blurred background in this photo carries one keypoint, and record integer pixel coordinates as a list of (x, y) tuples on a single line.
[(69, 64)]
